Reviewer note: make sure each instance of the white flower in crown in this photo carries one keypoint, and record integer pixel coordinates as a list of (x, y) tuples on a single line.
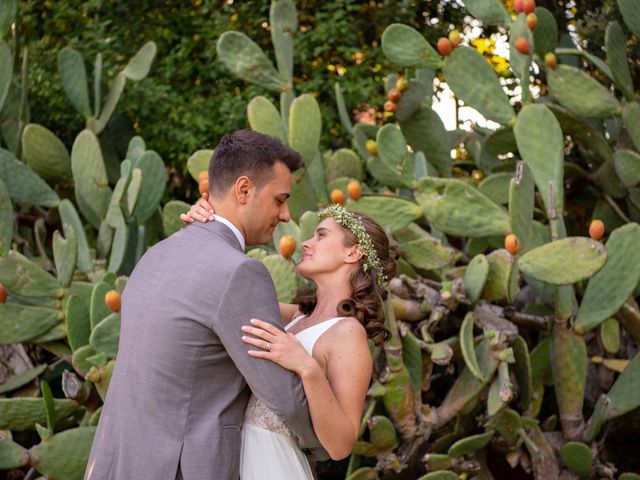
[(349, 221)]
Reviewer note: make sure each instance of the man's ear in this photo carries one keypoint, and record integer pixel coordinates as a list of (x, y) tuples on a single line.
[(354, 255), (242, 189)]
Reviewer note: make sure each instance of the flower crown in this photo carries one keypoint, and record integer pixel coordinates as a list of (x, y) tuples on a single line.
[(349, 221)]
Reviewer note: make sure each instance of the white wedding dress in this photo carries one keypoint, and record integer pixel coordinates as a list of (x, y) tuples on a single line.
[(269, 450)]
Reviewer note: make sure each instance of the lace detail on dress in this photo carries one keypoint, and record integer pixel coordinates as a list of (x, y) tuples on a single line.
[(258, 414)]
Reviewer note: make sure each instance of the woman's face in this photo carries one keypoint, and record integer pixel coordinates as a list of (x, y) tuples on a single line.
[(325, 252)]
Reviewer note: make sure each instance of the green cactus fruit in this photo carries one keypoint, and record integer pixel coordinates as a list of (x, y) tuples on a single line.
[(577, 457), (475, 277), (65, 254), (630, 15), (425, 132), (79, 359), (171, 211), (343, 113), (520, 62), (305, 126), (78, 322), (21, 380), (541, 144), (615, 46), (456, 208), (64, 455), (491, 12), (622, 269), (364, 473), (199, 162), (545, 36), (90, 177), (45, 154), (468, 445), (138, 67), (22, 413), (627, 165), (467, 346), (631, 117), (101, 377), (264, 118), (247, 61), (440, 475), (12, 454), (362, 134), (23, 278), (437, 461), (23, 185), (473, 80), (406, 47), (466, 387), (74, 79), (343, 163), (411, 100), (422, 250), (6, 220), (565, 261), (104, 337), (154, 181), (382, 433), (581, 93), (69, 216), (113, 97), (392, 212), (569, 360), (624, 395), (284, 277), (283, 19), (522, 371), (496, 187), (610, 335), (503, 276)]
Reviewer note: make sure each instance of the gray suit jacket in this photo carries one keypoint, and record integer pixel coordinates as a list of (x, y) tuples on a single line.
[(179, 389)]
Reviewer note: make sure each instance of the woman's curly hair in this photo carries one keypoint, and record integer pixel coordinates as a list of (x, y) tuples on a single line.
[(367, 300)]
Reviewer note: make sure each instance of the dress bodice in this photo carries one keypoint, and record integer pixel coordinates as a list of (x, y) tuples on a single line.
[(259, 414)]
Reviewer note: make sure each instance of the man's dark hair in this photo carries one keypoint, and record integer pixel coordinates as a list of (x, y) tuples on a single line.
[(249, 153)]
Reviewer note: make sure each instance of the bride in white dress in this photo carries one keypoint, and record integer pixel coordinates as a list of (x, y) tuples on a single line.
[(326, 342)]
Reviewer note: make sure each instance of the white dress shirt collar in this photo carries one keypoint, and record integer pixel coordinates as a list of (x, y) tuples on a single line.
[(233, 228)]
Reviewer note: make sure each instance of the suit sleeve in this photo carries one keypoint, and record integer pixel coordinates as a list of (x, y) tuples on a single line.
[(250, 294)]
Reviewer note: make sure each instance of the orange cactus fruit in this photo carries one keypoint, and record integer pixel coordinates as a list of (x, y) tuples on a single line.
[(454, 38), (394, 95), (532, 21), (203, 175), (512, 244), (402, 84), (390, 106), (203, 185), (528, 6), (517, 6), (112, 300), (550, 60), (354, 189), (444, 45), (3, 293), (287, 246), (372, 147), (522, 45), (596, 229), (337, 196)]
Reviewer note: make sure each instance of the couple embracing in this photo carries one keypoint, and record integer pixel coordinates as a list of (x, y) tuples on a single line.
[(216, 380)]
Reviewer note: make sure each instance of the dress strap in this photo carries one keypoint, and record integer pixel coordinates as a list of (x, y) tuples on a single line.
[(294, 321)]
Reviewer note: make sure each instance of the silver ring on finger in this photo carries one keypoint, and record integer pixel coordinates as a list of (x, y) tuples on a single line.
[(268, 346)]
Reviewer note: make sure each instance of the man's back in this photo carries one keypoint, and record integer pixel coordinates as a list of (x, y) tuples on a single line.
[(178, 395)]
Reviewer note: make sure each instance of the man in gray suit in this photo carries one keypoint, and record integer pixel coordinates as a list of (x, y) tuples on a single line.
[(176, 400)]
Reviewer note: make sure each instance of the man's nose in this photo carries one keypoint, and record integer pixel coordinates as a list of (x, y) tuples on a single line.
[(284, 215)]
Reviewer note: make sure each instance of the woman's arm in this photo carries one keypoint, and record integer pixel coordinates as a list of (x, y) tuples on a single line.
[(287, 311), (336, 400)]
